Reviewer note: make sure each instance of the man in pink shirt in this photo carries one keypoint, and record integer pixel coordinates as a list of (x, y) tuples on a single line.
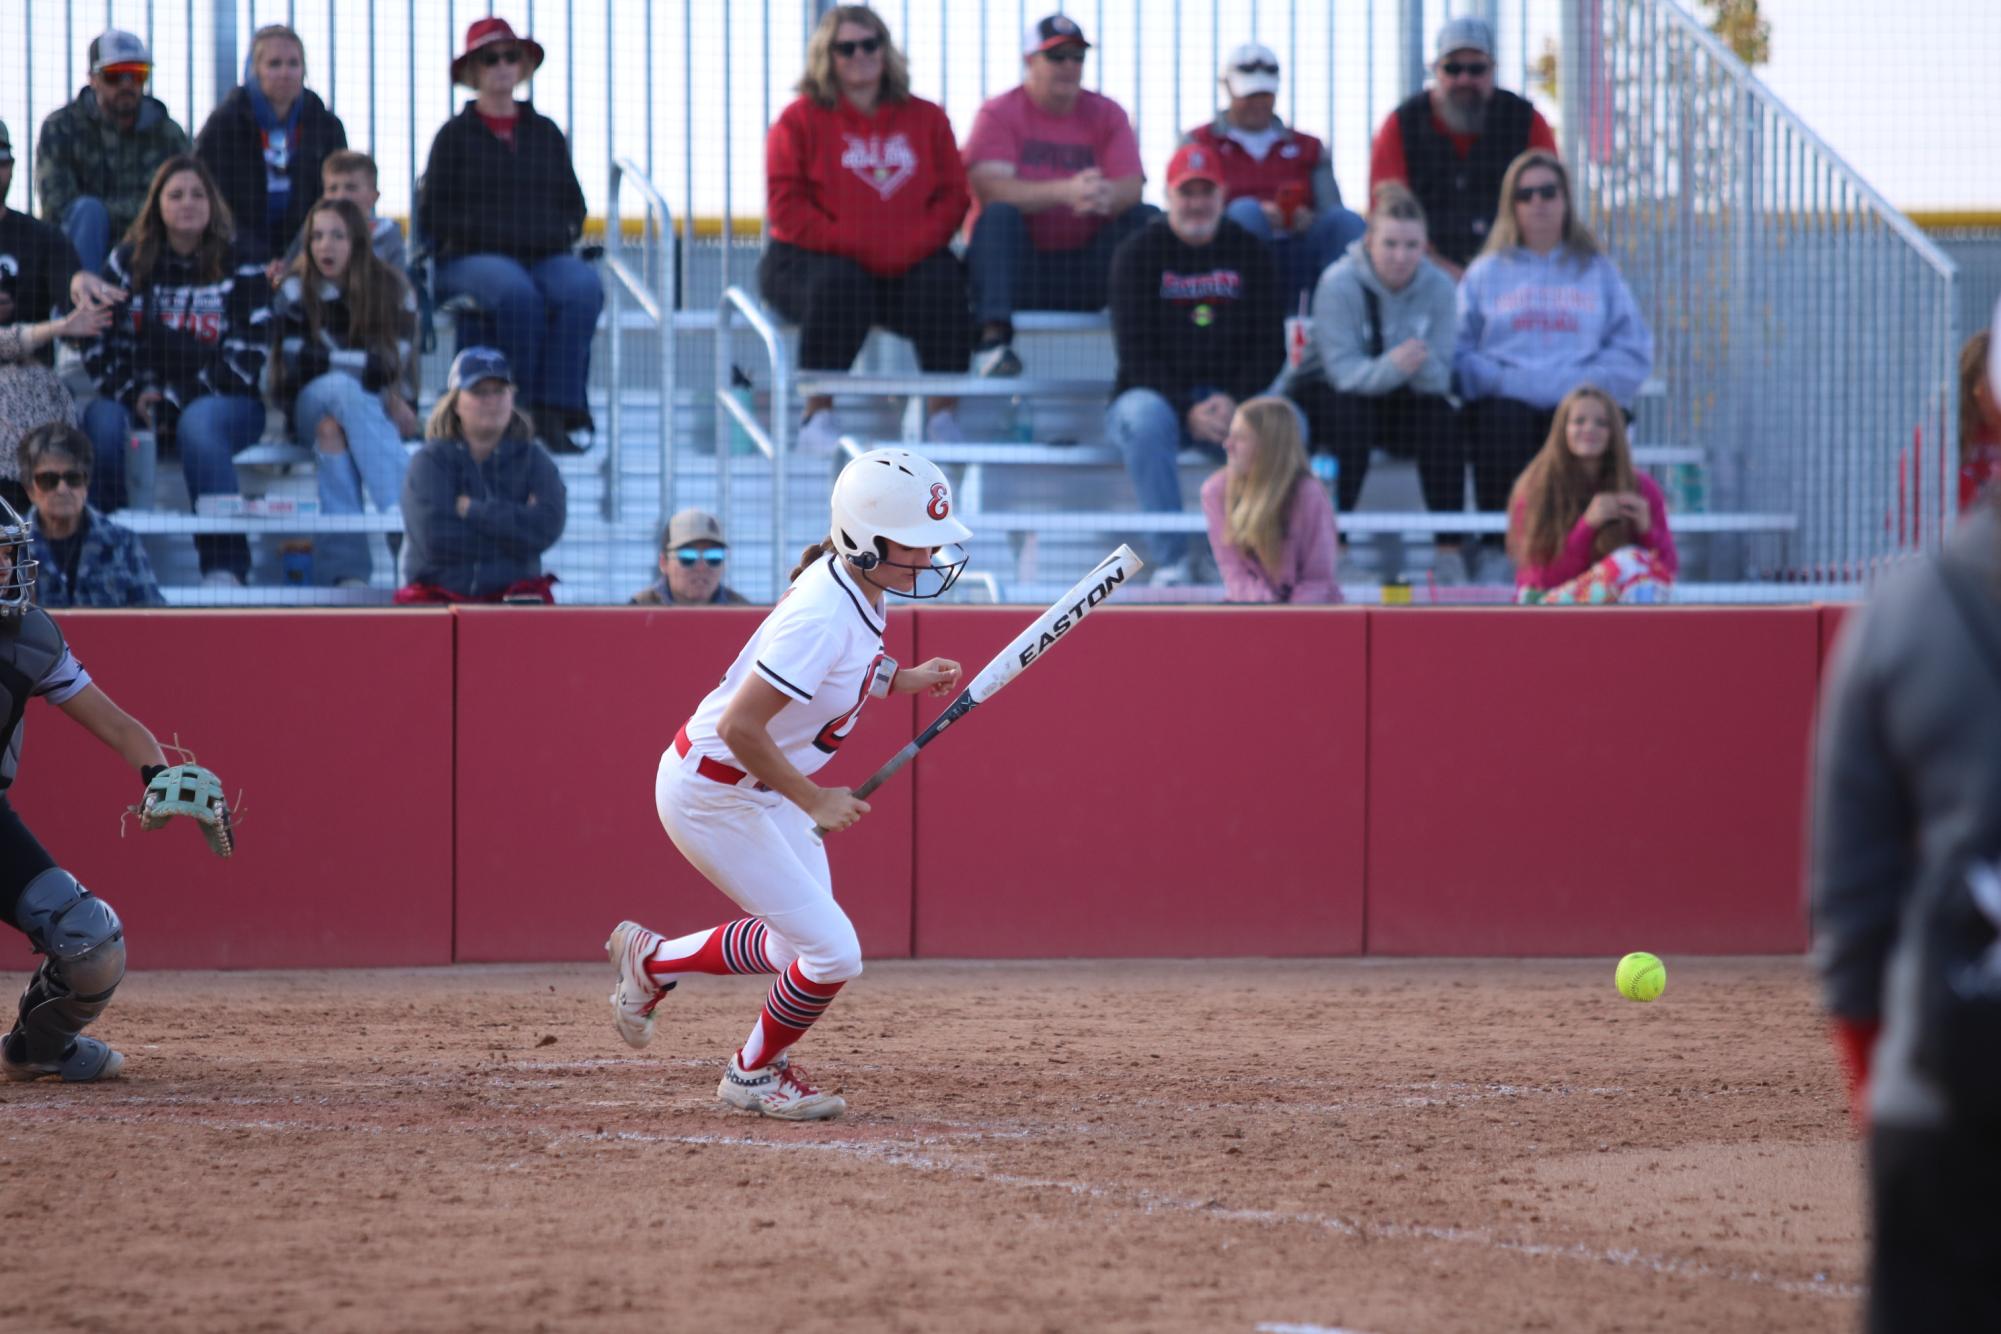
[(1056, 177)]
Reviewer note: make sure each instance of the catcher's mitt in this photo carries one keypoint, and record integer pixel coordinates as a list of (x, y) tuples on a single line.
[(190, 790)]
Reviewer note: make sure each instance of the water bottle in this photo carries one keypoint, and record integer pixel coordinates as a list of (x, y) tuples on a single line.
[(295, 563), (1327, 469), (1020, 422), (142, 461), (741, 390)]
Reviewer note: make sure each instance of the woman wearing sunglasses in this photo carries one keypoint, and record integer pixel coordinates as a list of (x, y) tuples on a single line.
[(693, 558), (865, 190), (500, 208), (86, 560), (1542, 311)]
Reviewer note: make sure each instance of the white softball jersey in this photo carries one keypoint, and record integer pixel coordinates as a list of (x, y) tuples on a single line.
[(821, 647)]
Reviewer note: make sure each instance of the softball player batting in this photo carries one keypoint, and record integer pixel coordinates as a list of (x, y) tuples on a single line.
[(735, 790)]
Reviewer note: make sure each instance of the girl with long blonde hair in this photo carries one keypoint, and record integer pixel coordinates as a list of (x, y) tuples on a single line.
[(1271, 525), (1583, 524)]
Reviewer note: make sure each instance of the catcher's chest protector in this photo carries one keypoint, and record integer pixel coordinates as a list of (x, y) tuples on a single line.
[(34, 660)]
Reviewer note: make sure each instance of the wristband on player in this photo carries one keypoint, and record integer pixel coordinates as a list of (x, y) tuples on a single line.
[(147, 772)]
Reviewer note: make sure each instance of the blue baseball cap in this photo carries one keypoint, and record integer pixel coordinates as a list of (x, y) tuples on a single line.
[(474, 364)]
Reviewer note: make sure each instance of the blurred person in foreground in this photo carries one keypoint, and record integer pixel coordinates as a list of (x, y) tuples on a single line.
[(1906, 838)]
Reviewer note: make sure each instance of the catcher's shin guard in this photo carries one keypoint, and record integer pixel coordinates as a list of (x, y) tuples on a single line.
[(85, 947)]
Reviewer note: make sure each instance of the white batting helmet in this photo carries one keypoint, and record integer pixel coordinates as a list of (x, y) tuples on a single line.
[(895, 494)]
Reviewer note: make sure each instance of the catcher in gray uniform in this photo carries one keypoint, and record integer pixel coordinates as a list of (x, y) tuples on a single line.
[(77, 933)]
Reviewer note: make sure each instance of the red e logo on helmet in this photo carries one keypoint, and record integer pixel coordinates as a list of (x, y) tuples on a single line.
[(941, 501)]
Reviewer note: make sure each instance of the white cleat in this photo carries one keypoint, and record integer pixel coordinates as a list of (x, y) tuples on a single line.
[(778, 1091), (634, 998)]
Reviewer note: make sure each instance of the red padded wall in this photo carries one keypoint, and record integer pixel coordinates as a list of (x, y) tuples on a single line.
[(1167, 782), (562, 716), (1588, 782), (1832, 617), (337, 728)]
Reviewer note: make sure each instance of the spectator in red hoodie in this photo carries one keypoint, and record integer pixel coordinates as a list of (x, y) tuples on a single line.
[(865, 190), (1979, 422)]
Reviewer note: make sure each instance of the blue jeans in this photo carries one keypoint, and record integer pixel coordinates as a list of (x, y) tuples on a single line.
[(210, 431), (1301, 257), (1008, 273), (374, 460), (1150, 433), (109, 427), (87, 223), (541, 315)]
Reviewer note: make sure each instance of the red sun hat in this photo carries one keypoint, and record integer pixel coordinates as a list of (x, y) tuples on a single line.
[(491, 32)]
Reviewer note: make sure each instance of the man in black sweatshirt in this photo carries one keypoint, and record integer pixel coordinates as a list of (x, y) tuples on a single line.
[(1199, 328)]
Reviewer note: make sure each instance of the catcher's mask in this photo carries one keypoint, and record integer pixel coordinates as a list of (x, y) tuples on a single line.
[(17, 591)]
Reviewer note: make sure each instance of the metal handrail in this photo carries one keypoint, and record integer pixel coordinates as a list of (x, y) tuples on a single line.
[(657, 303), (776, 444), (1714, 46)]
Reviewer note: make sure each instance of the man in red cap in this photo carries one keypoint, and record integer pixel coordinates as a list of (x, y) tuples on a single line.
[(1056, 177), (1200, 327)]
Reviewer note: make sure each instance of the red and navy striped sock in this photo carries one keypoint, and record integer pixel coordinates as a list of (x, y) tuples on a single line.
[(734, 947), (794, 1003)]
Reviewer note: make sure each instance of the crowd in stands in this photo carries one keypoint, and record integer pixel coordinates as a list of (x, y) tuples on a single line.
[(1448, 326), (1468, 321)]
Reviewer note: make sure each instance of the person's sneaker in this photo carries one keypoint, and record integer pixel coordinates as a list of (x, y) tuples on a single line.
[(778, 1090), (997, 360), (222, 579), (636, 996), (88, 1061), (1494, 568), (820, 437), (943, 428), (1448, 567), (1174, 574)]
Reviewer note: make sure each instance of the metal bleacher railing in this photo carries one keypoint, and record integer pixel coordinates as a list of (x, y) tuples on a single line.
[(1807, 332)]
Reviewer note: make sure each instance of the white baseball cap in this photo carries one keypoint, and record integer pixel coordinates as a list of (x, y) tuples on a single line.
[(1251, 69)]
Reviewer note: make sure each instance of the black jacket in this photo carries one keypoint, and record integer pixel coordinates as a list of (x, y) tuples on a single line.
[(480, 197), (518, 507), (233, 147), (182, 337), (1908, 786), (1189, 321), (1461, 195)]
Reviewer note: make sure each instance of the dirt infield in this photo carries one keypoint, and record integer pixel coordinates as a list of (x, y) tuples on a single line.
[(1389, 1147)]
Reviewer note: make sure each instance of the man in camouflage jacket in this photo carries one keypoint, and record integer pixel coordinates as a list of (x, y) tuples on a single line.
[(97, 155)]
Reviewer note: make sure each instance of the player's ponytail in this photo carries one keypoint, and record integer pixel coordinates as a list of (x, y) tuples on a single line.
[(820, 548)]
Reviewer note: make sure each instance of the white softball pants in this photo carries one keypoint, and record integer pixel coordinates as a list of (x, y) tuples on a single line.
[(759, 849)]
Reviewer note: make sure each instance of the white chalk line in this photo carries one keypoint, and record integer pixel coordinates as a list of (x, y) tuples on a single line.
[(914, 1155)]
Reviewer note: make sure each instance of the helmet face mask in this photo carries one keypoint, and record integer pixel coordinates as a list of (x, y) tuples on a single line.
[(17, 585), (893, 495)]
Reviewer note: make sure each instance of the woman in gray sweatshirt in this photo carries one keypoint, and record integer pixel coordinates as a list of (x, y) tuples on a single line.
[(1380, 364), (1541, 312)]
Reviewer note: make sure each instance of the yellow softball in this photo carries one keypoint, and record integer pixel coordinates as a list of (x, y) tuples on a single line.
[(1640, 977)]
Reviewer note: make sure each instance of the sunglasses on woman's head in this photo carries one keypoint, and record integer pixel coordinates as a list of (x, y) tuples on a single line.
[(1258, 67), (1476, 69), (77, 479), (709, 556), (1523, 194), (509, 56), (868, 46)]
